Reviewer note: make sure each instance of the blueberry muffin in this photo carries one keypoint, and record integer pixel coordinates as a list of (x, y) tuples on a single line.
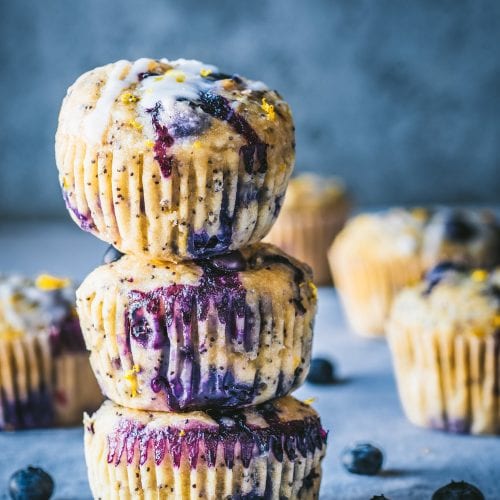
[(470, 237), (444, 335), (378, 254), (314, 211), (271, 451), (371, 259), (225, 332), (45, 376), (173, 160)]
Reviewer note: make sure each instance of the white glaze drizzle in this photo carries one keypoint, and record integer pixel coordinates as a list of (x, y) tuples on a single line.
[(182, 83), (96, 121)]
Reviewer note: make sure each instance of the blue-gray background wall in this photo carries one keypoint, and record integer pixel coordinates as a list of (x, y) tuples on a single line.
[(400, 98)]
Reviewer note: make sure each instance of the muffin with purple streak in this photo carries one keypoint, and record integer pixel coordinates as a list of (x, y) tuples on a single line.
[(444, 335), (271, 451), (45, 375), (173, 160), (225, 332)]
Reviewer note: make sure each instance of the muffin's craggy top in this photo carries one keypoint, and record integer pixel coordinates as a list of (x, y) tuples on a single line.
[(44, 306), (394, 232), (471, 237), (285, 427), (309, 191), (176, 108), (451, 300)]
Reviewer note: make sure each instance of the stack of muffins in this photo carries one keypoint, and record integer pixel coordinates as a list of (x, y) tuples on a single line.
[(197, 331)]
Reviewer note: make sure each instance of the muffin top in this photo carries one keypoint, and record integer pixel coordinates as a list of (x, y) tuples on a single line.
[(471, 237), (314, 192), (285, 421), (223, 281), (389, 233), (176, 108), (452, 299), (45, 305)]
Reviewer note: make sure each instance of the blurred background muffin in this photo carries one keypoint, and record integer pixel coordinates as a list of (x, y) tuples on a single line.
[(378, 254), (371, 259), (45, 375), (314, 210), (443, 334)]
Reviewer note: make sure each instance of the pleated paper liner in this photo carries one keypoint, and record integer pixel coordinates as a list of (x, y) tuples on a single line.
[(273, 451), (43, 389), (187, 336), (448, 383)]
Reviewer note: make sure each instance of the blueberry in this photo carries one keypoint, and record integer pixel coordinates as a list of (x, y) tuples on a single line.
[(437, 273), (321, 372), (379, 497), (233, 261), (458, 491), (111, 255), (31, 483), (458, 229), (363, 458)]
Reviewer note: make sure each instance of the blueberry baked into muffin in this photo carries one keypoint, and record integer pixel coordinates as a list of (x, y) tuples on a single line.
[(173, 159), (45, 375), (314, 211), (444, 335), (273, 450), (470, 237), (229, 331)]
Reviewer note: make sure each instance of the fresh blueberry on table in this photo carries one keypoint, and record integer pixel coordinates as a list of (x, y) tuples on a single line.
[(321, 372), (458, 490), (31, 483), (362, 458), (111, 255)]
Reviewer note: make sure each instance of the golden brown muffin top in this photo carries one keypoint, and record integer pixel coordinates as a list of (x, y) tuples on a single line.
[(288, 408), (310, 192), (451, 300), (395, 232)]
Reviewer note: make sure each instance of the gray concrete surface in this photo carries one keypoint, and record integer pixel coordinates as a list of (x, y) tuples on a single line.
[(400, 98), (364, 407)]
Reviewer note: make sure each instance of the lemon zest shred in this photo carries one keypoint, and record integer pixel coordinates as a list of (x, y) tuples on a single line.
[(268, 109), (149, 143), (48, 282), (479, 275), (129, 98), (182, 433), (131, 377), (135, 124), (204, 72), (309, 401)]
